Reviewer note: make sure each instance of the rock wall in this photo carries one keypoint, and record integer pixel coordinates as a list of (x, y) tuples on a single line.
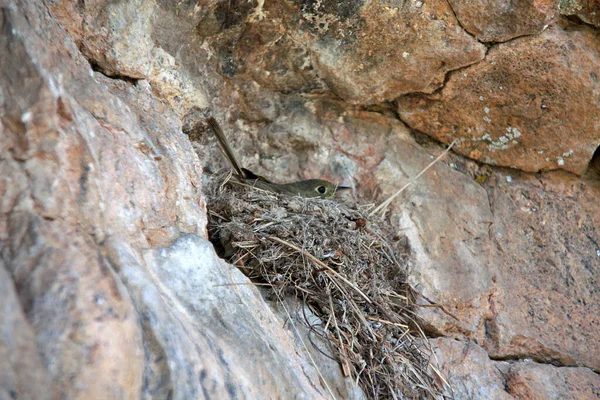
[(109, 287)]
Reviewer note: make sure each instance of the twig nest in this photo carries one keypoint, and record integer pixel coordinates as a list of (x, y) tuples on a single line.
[(331, 256)]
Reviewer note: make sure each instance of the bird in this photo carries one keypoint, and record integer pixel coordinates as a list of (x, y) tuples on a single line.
[(311, 188)]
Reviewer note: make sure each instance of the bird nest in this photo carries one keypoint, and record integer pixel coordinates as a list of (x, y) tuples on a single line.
[(341, 265)]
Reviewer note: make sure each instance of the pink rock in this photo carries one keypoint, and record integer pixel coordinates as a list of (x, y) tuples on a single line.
[(532, 104), (472, 374), (499, 21), (380, 52)]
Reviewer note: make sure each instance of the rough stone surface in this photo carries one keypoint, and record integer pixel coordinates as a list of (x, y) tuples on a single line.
[(534, 294), (527, 380), (369, 52), (198, 316), (547, 292), (473, 375), (346, 48), (502, 20), (120, 39), (587, 10), (533, 104), (107, 285), (511, 238), (24, 375)]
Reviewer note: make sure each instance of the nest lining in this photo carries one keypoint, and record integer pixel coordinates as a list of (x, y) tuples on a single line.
[(329, 255)]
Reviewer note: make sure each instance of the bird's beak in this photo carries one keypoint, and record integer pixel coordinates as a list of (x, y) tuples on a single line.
[(340, 188)]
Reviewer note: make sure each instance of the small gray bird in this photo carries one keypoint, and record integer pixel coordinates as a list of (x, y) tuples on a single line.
[(309, 188)]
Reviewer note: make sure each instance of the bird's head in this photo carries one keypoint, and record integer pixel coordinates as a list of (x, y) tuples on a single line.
[(314, 188)]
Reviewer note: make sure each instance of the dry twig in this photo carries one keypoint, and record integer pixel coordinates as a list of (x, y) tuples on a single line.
[(328, 254), (383, 206)]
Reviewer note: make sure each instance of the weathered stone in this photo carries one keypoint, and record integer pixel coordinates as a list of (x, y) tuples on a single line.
[(502, 20), (266, 51), (587, 10), (84, 323), (527, 380), (469, 371), (473, 375), (111, 290), (545, 248), (533, 104), (369, 52), (119, 39), (110, 287), (22, 371), (199, 337), (281, 47), (531, 285)]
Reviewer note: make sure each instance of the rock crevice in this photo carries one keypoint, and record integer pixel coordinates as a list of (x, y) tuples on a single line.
[(108, 286)]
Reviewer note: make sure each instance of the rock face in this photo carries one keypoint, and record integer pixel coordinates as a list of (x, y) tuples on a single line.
[(369, 52), (586, 10), (533, 104), (502, 20), (475, 376), (519, 286), (490, 256), (108, 285), (547, 286)]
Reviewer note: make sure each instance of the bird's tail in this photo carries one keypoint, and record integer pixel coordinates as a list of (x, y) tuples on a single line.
[(225, 147)]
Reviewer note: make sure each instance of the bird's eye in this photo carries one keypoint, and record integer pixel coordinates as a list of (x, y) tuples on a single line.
[(321, 189)]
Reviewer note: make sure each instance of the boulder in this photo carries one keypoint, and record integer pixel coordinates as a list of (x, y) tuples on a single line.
[(502, 20), (473, 375), (532, 104)]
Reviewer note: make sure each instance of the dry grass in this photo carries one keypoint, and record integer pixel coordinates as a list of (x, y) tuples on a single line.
[(340, 264)]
